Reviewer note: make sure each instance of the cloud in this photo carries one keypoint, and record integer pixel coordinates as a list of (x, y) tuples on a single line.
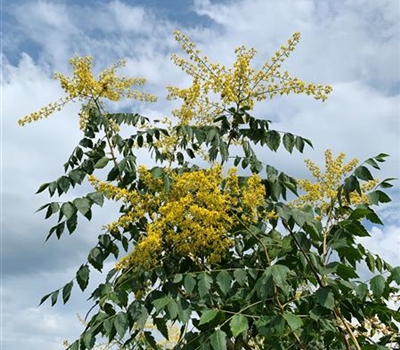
[(353, 45)]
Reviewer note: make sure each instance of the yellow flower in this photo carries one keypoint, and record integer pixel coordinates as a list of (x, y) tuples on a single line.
[(84, 86), (323, 191), (215, 88), (194, 218)]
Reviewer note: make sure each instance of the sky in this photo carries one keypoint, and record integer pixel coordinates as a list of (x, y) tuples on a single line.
[(353, 45)]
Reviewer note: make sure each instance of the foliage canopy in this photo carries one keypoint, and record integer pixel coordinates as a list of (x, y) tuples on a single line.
[(228, 258)]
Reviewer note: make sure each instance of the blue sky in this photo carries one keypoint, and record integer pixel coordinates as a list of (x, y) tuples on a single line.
[(351, 44)]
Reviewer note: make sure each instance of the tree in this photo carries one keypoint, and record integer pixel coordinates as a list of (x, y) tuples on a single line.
[(230, 259)]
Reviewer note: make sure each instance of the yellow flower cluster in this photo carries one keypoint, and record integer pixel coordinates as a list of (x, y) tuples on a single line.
[(84, 86), (323, 191), (194, 218), (215, 87)]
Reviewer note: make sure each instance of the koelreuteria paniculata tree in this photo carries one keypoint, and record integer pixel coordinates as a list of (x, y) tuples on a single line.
[(233, 259)]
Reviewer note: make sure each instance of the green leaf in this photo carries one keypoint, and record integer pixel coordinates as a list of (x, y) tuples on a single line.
[(121, 323), (44, 298), (361, 290), (96, 258), (351, 184), (72, 223), (325, 298), (42, 188), (292, 320), (157, 172), (97, 198), (82, 276), (370, 262), (160, 323), (279, 273), (240, 276), (101, 163), (378, 196), (189, 283), (59, 229), (224, 281), (299, 143), (288, 142), (273, 139), (207, 316), (63, 183), (82, 204), (377, 285), (363, 173), (150, 340), (66, 291), (395, 275), (204, 282), (88, 340), (68, 209), (301, 217), (52, 209), (54, 297), (346, 272), (74, 345), (218, 340), (238, 324), (161, 303), (172, 308)]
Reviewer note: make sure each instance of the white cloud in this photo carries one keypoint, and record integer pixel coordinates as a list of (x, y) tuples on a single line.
[(353, 45), (384, 241)]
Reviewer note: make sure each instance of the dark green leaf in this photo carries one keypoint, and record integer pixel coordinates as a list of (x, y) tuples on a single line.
[(273, 139), (72, 223), (54, 297), (325, 298), (42, 187), (299, 143), (161, 326), (44, 298), (288, 142), (363, 173), (66, 291), (150, 340), (82, 276)]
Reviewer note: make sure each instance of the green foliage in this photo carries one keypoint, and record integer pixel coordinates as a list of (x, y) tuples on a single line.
[(288, 281)]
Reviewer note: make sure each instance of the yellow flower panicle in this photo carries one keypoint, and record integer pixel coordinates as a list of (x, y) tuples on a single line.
[(84, 86), (215, 87), (194, 218), (323, 191)]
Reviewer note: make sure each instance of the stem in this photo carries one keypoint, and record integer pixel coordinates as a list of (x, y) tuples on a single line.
[(113, 157), (336, 310)]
